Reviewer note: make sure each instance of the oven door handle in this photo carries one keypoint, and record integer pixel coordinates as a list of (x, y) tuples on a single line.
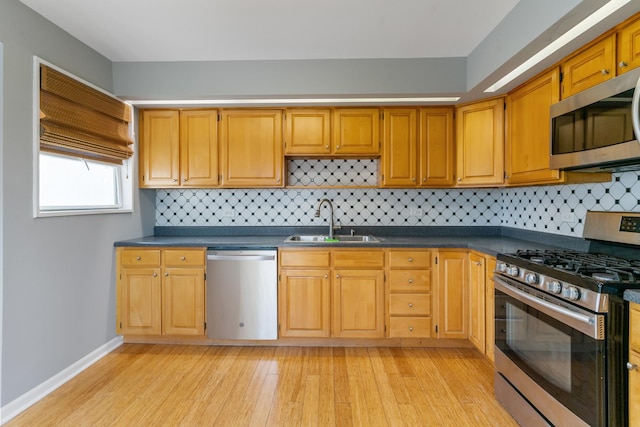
[(589, 324)]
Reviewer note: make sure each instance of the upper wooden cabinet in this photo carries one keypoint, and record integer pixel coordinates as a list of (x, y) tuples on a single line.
[(435, 147), (418, 147), (251, 148), (480, 143), (589, 67), (528, 144), (400, 152), (356, 131), (159, 148), (308, 132), (178, 148), (628, 56)]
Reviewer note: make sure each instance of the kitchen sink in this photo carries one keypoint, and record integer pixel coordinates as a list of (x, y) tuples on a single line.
[(316, 238)]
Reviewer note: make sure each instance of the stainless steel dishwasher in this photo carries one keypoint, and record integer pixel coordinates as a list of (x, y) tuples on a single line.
[(242, 294)]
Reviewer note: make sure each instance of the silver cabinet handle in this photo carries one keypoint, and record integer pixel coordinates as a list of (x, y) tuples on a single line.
[(326, 276), (155, 274), (410, 259), (138, 258), (326, 146), (410, 305), (183, 258), (631, 366), (410, 280), (622, 64), (410, 328), (604, 71), (166, 274), (174, 180), (337, 276)]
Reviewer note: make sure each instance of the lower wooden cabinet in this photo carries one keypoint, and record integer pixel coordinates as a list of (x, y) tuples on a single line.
[(453, 295), (160, 291), (490, 309), (477, 289), (409, 293), (331, 293), (634, 365), (304, 303)]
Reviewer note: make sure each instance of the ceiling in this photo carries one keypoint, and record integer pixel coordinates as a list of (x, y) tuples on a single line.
[(220, 30)]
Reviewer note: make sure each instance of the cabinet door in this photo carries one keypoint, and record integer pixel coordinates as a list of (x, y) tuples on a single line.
[(528, 131), (477, 275), (589, 67), (629, 47), (356, 131), (358, 304), (139, 297), (304, 303), (251, 148), (436, 147), (634, 389), (308, 132), (453, 295), (480, 143), (183, 301), (159, 148), (400, 154), (489, 308), (199, 148)]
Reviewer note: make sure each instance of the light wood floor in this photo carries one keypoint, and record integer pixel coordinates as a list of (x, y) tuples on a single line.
[(157, 385)]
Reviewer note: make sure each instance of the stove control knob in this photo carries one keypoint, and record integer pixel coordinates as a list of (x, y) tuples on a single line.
[(501, 267), (571, 293), (512, 270), (554, 287), (532, 278)]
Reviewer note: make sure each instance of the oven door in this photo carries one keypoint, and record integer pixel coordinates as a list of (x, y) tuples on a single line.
[(552, 352)]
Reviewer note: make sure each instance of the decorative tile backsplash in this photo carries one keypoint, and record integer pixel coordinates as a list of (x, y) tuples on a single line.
[(559, 209)]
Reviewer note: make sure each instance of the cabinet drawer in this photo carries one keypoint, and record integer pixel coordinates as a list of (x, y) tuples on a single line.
[(140, 257), (410, 304), (305, 258), (409, 259), (358, 259), (634, 327), (409, 327), (183, 257), (410, 280)]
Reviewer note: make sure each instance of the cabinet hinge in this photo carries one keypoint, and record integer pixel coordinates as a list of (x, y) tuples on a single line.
[(279, 277), (505, 175), (436, 329), (561, 76), (219, 117), (385, 328), (278, 327), (205, 326), (120, 325), (205, 277), (436, 260), (381, 116), (385, 277), (505, 105)]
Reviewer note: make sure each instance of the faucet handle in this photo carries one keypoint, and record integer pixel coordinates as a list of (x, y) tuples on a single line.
[(353, 232)]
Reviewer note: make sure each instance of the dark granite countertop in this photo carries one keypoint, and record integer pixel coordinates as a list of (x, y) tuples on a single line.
[(632, 295), (489, 240)]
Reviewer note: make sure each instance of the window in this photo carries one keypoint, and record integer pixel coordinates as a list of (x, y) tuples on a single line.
[(82, 147), (71, 183)]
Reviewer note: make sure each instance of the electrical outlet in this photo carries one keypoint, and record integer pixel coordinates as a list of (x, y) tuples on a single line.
[(229, 213), (416, 213), (568, 217)]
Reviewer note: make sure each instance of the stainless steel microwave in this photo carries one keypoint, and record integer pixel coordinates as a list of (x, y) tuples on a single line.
[(597, 129)]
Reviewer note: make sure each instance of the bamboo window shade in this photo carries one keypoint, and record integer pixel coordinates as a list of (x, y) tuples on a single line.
[(80, 121)]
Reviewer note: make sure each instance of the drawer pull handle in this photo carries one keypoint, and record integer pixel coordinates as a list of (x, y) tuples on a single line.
[(155, 274), (410, 280), (410, 328), (410, 259), (631, 366), (138, 258), (410, 304), (183, 258), (604, 71), (622, 64), (166, 274), (337, 276)]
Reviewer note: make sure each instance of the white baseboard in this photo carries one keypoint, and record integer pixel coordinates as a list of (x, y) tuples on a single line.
[(15, 407)]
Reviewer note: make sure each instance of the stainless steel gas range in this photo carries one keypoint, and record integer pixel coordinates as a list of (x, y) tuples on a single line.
[(561, 329)]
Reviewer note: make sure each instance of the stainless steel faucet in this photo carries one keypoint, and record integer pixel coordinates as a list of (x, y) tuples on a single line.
[(317, 215)]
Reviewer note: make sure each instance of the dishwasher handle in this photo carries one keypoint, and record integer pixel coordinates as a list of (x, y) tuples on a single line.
[(241, 257)]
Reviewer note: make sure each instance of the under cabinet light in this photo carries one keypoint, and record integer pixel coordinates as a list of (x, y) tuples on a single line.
[(280, 101), (561, 41)]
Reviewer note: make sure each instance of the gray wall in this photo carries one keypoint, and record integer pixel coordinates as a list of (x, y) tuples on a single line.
[(58, 280)]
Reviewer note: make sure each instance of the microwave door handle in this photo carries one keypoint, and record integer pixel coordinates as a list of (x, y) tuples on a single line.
[(635, 111)]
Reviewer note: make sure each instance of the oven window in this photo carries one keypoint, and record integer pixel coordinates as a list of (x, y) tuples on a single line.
[(568, 364), (542, 347)]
